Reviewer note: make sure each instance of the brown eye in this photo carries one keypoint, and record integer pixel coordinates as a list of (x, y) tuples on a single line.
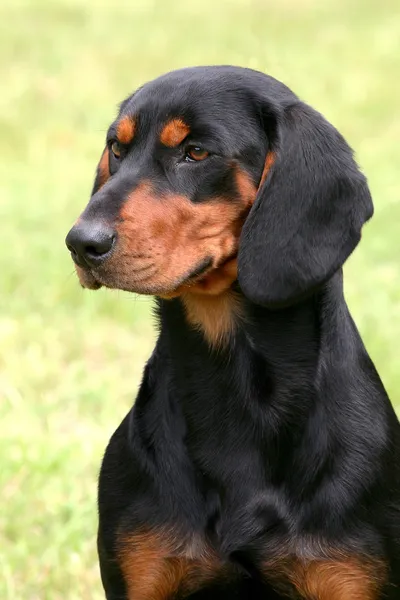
[(116, 149), (196, 153)]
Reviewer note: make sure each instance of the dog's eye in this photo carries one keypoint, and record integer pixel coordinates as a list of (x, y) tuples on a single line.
[(116, 149), (195, 153)]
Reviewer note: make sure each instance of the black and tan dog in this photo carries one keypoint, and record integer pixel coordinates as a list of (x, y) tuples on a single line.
[(262, 456)]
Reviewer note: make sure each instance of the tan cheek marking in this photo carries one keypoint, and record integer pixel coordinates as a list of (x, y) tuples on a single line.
[(209, 303), (176, 235), (180, 230), (160, 221), (126, 130), (174, 133), (156, 568), (269, 161)]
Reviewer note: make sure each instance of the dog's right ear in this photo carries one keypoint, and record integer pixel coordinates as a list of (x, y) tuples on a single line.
[(102, 172)]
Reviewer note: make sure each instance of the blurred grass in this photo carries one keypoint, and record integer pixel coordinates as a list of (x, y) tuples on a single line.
[(70, 361)]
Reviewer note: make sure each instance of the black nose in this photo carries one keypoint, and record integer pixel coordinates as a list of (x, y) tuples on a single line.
[(90, 242)]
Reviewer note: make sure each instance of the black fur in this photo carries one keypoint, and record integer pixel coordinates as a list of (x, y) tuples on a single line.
[(308, 216), (285, 438)]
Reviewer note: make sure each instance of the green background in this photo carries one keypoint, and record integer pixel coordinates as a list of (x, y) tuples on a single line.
[(70, 360)]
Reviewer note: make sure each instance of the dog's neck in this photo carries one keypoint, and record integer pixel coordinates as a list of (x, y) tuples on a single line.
[(272, 389), (271, 370), (273, 378), (289, 340)]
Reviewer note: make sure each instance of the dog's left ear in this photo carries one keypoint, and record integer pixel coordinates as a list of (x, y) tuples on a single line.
[(310, 207)]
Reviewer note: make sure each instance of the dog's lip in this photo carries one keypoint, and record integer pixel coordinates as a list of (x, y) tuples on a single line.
[(93, 285), (87, 279), (92, 280), (199, 271), (195, 277)]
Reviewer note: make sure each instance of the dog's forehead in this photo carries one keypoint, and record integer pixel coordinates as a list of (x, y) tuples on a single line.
[(218, 98), (192, 93)]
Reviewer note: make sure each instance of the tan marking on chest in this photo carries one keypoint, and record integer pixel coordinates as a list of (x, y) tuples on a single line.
[(339, 578), (216, 316), (157, 565)]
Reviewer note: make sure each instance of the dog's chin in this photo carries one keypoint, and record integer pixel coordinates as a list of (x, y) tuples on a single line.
[(87, 279)]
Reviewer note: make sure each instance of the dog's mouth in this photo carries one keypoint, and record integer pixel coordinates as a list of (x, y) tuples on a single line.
[(200, 270), (94, 279)]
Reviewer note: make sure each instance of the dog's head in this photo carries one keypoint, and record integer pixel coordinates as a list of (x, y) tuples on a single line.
[(213, 174)]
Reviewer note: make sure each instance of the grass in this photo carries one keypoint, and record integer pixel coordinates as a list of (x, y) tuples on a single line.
[(70, 361)]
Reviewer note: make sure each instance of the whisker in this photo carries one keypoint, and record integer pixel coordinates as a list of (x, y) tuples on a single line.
[(68, 277)]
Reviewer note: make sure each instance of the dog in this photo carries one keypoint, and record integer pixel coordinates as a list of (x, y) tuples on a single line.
[(261, 458)]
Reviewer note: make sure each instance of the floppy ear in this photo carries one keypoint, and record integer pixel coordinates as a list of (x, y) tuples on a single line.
[(310, 207), (102, 172)]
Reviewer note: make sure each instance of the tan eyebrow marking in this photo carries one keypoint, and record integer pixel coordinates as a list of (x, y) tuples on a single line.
[(174, 133), (126, 130)]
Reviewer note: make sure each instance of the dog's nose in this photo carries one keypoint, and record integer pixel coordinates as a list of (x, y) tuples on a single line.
[(90, 242)]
